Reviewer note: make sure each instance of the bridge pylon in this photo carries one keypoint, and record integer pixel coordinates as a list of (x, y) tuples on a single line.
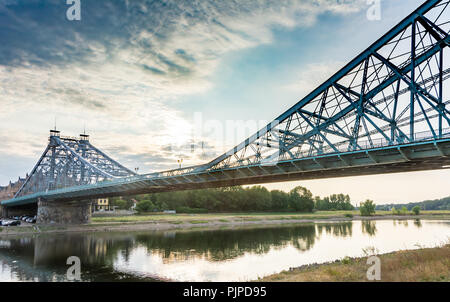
[(66, 162)]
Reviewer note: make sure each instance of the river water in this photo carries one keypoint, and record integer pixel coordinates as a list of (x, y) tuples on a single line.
[(236, 254)]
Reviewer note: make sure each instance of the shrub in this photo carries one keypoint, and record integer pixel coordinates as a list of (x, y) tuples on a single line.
[(404, 211), (144, 206), (346, 260), (121, 204), (416, 210), (349, 215), (367, 208)]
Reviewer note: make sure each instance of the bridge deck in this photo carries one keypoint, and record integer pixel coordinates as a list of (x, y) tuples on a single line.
[(426, 155)]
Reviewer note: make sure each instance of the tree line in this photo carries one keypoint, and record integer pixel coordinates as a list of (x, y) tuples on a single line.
[(429, 205), (235, 199)]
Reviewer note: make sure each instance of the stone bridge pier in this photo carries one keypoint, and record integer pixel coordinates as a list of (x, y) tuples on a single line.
[(64, 212)]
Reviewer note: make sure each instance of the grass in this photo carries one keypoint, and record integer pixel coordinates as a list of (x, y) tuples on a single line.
[(198, 221), (220, 216), (237, 217), (432, 264)]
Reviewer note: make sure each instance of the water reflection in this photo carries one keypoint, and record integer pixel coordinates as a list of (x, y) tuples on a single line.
[(43, 258), (369, 227), (103, 249), (221, 245), (402, 222), (338, 229), (227, 254), (418, 223)]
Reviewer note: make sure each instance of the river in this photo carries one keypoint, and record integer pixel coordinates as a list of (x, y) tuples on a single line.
[(236, 254)]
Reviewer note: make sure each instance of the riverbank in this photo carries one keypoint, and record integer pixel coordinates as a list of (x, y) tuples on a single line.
[(422, 265), (211, 221)]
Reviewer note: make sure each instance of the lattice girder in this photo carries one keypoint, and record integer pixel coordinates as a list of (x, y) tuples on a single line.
[(68, 162), (395, 92)]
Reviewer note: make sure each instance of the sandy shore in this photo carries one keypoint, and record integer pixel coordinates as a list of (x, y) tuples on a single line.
[(213, 224)]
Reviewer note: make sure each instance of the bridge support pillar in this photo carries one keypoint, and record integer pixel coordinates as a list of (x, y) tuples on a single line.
[(63, 212), (3, 212)]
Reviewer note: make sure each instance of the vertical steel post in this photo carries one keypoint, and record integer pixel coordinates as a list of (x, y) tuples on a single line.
[(51, 176), (441, 63), (413, 80)]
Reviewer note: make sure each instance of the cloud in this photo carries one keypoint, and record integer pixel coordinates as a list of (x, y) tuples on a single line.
[(161, 50), (21, 145), (168, 45), (122, 67), (313, 75)]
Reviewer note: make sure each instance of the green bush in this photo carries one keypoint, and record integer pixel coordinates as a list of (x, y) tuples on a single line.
[(145, 206), (349, 215), (121, 204), (404, 211), (416, 210), (346, 260), (367, 208), (395, 211)]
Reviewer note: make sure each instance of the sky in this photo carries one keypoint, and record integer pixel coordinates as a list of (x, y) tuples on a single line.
[(151, 80)]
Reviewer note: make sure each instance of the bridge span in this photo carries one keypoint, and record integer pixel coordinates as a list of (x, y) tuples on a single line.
[(386, 111)]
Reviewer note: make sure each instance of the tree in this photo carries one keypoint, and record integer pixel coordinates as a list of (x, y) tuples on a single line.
[(322, 204), (258, 198), (121, 204), (335, 202), (301, 199), (395, 211), (404, 210), (416, 210), (236, 199), (280, 200), (145, 206), (367, 208)]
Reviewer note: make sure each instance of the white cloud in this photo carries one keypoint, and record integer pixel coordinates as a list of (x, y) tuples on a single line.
[(123, 90), (313, 75)]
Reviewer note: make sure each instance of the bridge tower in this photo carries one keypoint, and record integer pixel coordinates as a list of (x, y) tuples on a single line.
[(66, 162)]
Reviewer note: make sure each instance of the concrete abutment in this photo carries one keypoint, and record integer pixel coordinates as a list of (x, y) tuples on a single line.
[(66, 212)]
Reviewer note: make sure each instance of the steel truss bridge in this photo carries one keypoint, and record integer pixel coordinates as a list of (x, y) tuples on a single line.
[(386, 111)]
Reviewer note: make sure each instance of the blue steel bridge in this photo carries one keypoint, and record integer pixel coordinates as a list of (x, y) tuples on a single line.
[(386, 111)]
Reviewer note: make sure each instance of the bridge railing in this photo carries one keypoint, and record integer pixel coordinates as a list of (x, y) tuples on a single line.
[(364, 145), (382, 142)]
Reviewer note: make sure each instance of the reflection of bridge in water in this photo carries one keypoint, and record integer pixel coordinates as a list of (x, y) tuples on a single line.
[(386, 111)]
